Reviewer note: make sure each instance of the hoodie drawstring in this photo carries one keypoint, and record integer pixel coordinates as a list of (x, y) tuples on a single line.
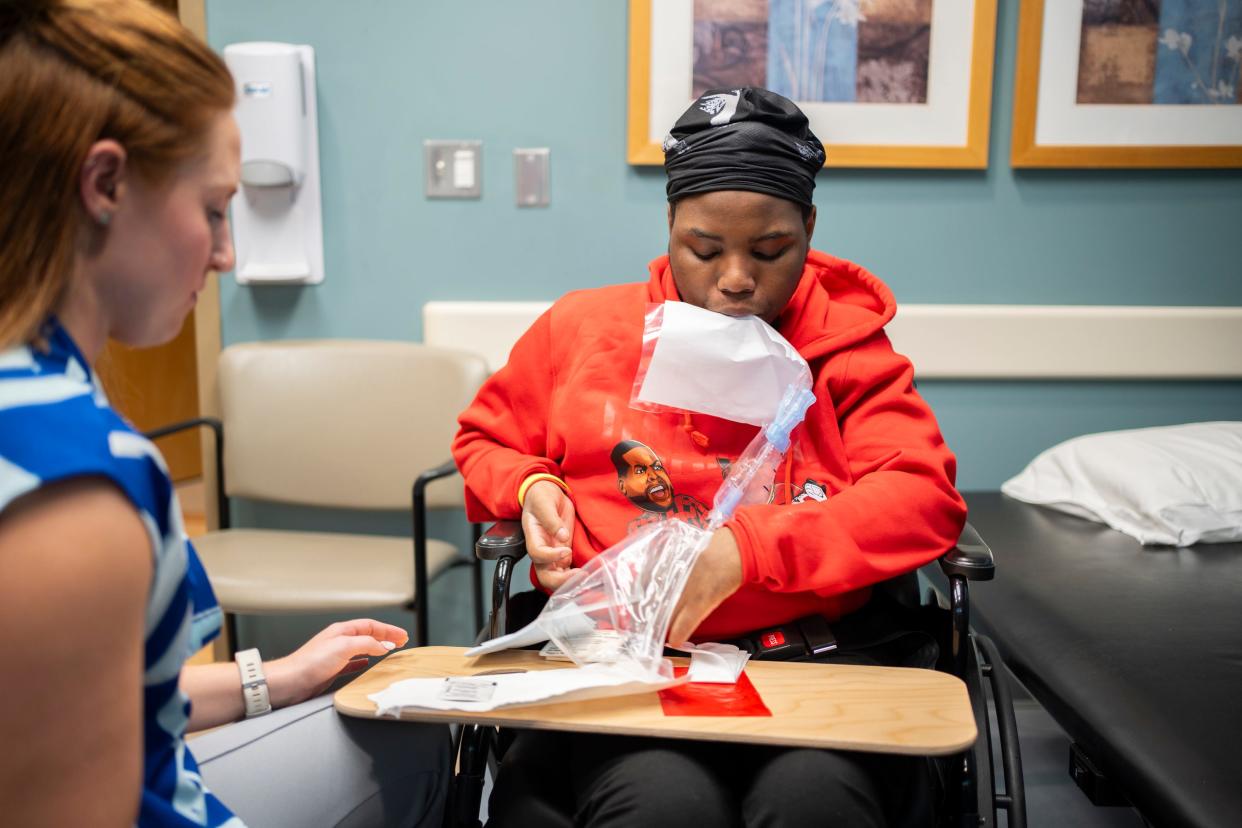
[(696, 436), (789, 476), (702, 441)]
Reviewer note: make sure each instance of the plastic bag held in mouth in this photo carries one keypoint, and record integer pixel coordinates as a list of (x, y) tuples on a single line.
[(735, 368)]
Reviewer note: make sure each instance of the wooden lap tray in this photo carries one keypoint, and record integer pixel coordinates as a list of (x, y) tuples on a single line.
[(877, 709)]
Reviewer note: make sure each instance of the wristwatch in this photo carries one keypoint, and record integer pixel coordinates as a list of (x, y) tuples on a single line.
[(254, 684)]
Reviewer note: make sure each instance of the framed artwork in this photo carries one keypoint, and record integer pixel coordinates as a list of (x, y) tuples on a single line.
[(1128, 83), (885, 83)]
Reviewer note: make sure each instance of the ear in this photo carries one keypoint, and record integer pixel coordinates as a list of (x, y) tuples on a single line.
[(669, 212), (810, 226), (102, 180)]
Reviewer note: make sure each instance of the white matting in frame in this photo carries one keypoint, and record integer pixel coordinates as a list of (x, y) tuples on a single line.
[(942, 122), (1061, 120)]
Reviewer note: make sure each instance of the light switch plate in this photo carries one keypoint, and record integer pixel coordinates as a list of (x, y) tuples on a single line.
[(531, 176), (453, 169)]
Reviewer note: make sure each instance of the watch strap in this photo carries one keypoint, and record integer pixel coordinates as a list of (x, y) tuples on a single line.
[(253, 682)]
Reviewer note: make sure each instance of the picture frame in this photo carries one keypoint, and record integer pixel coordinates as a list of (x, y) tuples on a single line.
[(1080, 87), (948, 129)]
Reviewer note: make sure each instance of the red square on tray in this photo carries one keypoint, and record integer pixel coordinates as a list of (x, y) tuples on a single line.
[(740, 699)]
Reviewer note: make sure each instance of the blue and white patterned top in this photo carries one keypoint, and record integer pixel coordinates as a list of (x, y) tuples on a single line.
[(56, 424)]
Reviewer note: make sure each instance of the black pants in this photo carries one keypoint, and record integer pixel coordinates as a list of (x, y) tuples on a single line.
[(562, 779)]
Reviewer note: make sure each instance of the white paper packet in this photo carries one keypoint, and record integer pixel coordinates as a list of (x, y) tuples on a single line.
[(735, 368), (480, 693), (714, 663)]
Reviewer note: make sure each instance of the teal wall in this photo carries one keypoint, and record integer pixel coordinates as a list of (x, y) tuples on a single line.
[(552, 73)]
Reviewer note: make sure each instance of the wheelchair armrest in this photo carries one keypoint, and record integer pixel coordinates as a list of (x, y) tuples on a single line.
[(503, 539), (505, 543), (970, 559)]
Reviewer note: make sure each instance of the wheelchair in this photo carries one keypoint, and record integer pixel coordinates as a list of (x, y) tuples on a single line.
[(971, 798)]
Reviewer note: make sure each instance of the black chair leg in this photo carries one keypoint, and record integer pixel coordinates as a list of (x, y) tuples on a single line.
[(467, 788)]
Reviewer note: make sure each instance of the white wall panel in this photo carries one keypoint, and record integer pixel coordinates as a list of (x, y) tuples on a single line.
[(966, 341)]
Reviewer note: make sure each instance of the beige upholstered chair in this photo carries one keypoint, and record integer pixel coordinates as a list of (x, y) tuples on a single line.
[(337, 424)]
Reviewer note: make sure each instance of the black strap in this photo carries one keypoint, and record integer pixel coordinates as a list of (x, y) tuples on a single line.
[(882, 633)]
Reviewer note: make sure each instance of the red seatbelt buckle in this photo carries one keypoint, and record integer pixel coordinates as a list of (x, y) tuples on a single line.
[(775, 643), (778, 643)]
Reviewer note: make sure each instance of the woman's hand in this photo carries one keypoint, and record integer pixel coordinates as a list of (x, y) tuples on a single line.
[(717, 574), (548, 521), (311, 668), (215, 689)]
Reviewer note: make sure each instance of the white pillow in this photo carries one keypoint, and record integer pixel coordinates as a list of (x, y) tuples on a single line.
[(1176, 485)]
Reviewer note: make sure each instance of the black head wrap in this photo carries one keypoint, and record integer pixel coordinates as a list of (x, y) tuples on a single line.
[(742, 139)]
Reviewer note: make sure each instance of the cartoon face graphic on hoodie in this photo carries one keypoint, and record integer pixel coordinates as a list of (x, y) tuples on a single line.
[(642, 478)]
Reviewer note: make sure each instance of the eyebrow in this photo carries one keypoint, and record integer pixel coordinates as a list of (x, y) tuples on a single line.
[(775, 234)]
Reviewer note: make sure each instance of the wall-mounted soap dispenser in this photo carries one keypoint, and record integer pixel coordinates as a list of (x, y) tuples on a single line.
[(277, 216)]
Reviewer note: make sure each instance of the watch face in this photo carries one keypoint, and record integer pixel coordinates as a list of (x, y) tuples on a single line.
[(257, 700)]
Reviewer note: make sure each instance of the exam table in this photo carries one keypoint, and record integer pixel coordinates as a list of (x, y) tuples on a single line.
[(1135, 651)]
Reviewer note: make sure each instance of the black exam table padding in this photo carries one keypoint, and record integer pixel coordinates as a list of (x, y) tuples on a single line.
[(1136, 652)]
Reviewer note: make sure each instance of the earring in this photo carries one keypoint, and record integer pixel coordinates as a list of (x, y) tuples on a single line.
[(104, 218)]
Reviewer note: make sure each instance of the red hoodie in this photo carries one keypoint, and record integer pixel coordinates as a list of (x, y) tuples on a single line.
[(872, 479)]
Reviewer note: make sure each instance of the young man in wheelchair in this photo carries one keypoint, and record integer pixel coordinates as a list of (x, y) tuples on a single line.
[(865, 492)]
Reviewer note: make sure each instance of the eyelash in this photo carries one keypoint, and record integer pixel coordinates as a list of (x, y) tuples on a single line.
[(706, 257)]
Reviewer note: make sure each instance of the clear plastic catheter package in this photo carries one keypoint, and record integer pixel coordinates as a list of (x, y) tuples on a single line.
[(611, 617)]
